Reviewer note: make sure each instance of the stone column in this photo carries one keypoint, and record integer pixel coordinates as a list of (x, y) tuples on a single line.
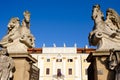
[(23, 63)]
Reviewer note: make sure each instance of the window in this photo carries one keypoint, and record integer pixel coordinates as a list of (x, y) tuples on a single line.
[(59, 74), (70, 60), (70, 71), (48, 60), (47, 71), (58, 60)]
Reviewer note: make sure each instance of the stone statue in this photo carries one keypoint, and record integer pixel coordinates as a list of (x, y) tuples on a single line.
[(112, 19), (106, 36), (105, 32), (26, 36), (6, 65), (114, 63), (12, 34), (19, 37)]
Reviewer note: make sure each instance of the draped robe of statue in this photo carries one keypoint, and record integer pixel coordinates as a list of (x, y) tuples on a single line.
[(114, 63), (6, 65)]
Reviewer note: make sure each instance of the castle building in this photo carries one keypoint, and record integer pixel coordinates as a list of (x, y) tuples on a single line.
[(61, 63)]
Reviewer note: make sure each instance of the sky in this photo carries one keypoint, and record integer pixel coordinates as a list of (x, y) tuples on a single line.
[(55, 21)]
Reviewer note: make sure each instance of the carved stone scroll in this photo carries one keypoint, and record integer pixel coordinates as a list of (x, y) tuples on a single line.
[(106, 33)]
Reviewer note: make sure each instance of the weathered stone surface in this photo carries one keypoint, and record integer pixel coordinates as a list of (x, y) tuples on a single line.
[(114, 63), (23, 63), (19, 37), (98, 69), (106, 33), (6, 65), (17, 40), (105, 62)]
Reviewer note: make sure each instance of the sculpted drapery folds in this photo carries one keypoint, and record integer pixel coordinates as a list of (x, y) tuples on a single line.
[(114, 63), (6, 65), (18, 36), (105, 31)]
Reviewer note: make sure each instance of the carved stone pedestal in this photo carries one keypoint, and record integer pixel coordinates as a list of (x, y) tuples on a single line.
[(98, 69), (23, 64)]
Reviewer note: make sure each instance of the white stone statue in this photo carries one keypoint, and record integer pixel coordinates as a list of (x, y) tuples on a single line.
[(19, 37), (12, 34), (106, 36), (114, 63), (6, 65), (26, 36), (105, 32)]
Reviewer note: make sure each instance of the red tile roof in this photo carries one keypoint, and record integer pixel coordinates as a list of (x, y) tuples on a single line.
[(79, 50)]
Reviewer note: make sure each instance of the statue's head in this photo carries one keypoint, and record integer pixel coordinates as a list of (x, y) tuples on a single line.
[(14, 22), (96, 6), (96, 12), (27, 16)]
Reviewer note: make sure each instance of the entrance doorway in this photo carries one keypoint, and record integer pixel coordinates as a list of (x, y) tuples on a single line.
[(59, 74)]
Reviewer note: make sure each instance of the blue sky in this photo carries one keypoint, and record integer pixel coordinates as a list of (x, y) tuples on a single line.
[(55, 21)]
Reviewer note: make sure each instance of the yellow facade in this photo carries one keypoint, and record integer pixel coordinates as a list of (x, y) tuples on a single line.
[(70, 66)]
